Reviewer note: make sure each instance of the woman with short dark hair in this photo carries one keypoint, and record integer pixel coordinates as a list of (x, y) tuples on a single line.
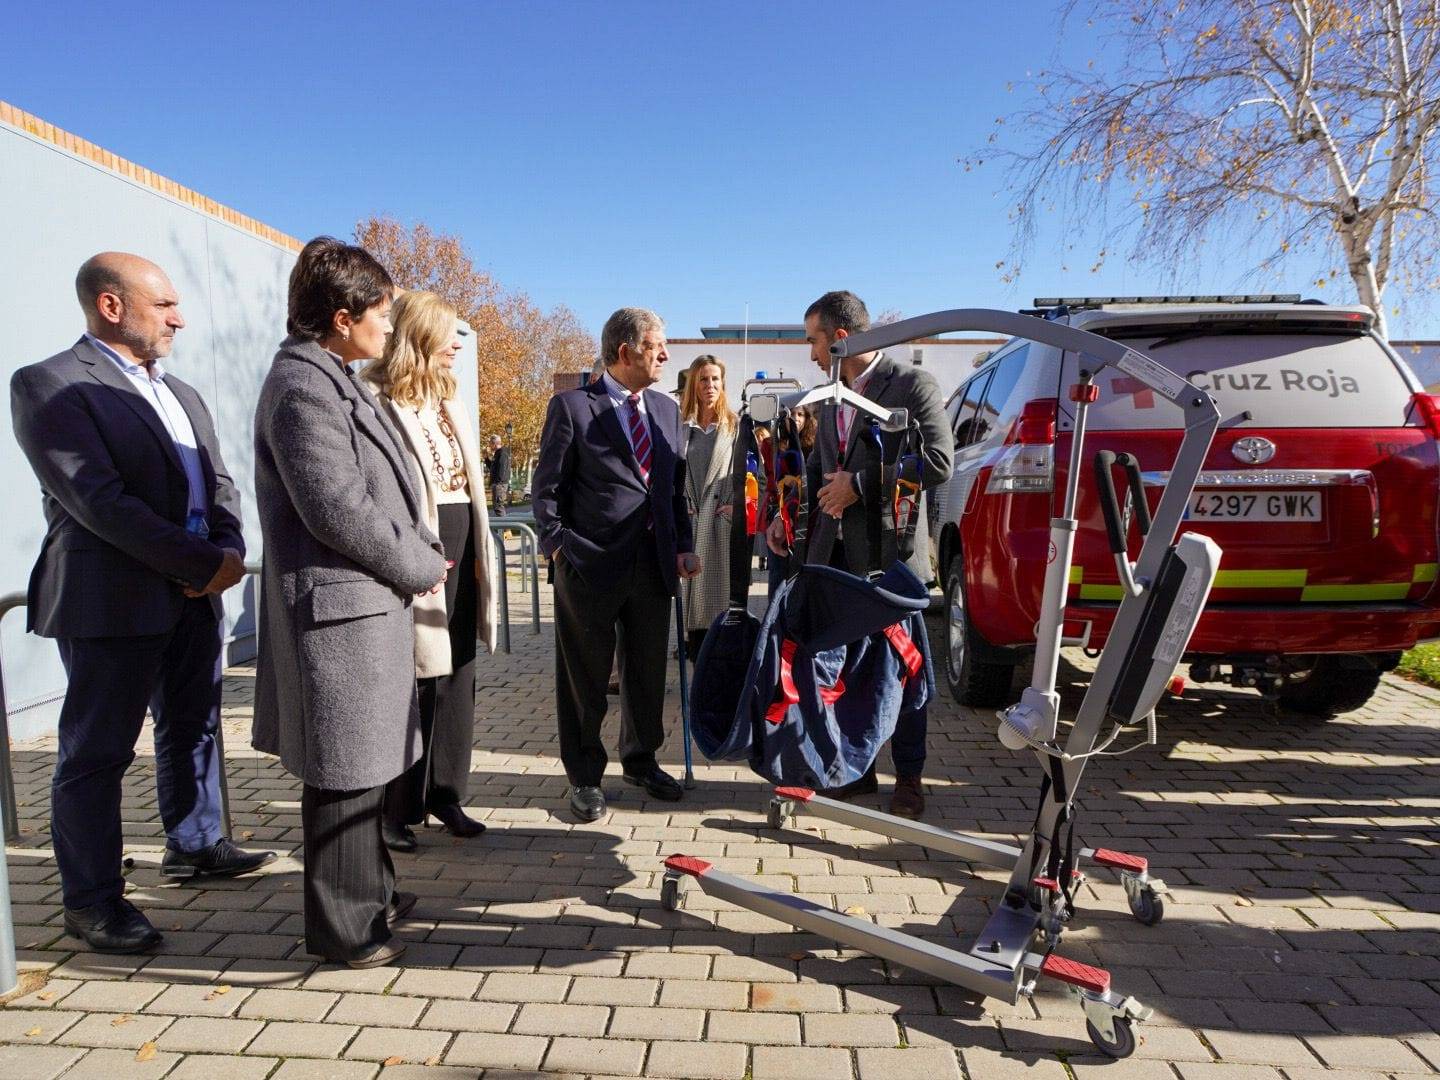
[(346, 551)]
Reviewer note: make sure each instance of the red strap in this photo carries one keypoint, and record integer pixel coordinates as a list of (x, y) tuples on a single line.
[(902, 643), (789, 695)]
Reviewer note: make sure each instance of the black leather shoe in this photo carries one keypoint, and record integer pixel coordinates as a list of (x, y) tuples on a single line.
[(401, 904), (659, 783), (220, 859), (866, 785), (587, 803), (457, 822), (398, 837), (113, 926)]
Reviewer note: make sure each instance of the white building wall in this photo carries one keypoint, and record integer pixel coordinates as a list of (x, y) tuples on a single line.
[(56, 210)]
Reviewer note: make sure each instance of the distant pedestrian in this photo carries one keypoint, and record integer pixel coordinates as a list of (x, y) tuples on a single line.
[(499, 473), (142, 537), (346, 551), (709, 438)]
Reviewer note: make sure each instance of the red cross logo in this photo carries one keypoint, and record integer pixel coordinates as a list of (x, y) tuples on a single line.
[(1144, 397)]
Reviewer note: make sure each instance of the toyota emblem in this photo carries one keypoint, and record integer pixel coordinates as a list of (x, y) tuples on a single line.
[(1253, 450)]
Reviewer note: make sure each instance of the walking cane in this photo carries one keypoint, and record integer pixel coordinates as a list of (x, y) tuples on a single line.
[(684, 689)]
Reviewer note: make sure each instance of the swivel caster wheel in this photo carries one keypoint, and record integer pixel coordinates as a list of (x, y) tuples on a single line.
[(1122, 1042), (670, 893), (1147, 905)]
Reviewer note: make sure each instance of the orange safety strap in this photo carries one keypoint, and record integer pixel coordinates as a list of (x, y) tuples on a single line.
[(903, 644), (789, 695)]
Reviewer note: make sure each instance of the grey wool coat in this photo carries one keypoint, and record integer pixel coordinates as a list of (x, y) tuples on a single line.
[(346, 550), (708, 595)]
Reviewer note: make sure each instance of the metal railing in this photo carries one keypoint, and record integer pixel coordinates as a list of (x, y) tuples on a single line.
[(529, 550), (9, 814)]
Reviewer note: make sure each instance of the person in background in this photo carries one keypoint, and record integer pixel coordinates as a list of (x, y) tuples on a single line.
[(805, 429), (415, 382), (610, 509), (835, 471), (346, 551), (709, 439), (499, 474), (142, 537)]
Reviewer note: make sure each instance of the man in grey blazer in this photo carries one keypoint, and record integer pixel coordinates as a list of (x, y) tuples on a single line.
[(143, 535), (835, 476)]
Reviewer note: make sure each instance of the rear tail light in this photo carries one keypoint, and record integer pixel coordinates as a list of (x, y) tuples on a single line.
[(1427, 408), (1027, 460)]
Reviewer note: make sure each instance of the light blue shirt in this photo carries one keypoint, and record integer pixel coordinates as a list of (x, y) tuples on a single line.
[(620, 398), (151, 386)]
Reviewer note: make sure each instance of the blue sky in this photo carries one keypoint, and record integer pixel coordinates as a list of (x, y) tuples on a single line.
[(690, 158)]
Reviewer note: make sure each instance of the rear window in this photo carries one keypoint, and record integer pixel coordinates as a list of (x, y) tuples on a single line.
[(1284, 380)]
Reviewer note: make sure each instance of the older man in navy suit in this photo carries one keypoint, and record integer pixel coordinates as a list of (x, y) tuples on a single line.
[(610, 503), (143, 536)]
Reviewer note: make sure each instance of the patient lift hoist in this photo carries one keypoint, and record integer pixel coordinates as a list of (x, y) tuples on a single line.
[(1163, 594)]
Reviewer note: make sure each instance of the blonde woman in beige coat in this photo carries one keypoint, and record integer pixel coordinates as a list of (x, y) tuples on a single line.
[(415, 383)]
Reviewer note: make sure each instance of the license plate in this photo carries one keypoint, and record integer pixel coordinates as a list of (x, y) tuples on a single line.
[(1255, 506)]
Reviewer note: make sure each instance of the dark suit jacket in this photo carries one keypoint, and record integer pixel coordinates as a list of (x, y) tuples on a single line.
[(116, 557), (896, 386), (588, 495)]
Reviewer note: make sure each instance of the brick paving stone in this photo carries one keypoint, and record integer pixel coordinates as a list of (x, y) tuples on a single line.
[(287, 1039), (1104, 1068), (850, 1029), (760, 1029), (811, 1062), (197, 1034), (214, 1067), (514, 986), (547, 1019), (302, 1069), (350, 980), (1255, 1048), (37, 1062), (632, 1022), (700, 1061), (450, 1015), (119, 1065), (491, 1051), (615, 1057), (1197, 1070), (1321, 1073), (378, 1044), (797, 997), (437, 984), (588, 991), (191, 1000), (686, 993), (912, 1063), (98, 1030), (1365, 1052), (288, 1004), (1008, 1065), (123, 997), (376, 1010), (669, 965), (15, 1023)]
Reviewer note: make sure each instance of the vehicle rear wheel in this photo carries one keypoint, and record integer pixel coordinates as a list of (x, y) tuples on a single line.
[(972, 681), (1335, 684)]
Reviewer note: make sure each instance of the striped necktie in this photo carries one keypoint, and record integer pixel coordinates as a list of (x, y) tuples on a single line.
[(639, 437)]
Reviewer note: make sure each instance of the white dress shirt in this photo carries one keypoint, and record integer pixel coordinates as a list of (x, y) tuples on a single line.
[(150, 384), (620, 398)]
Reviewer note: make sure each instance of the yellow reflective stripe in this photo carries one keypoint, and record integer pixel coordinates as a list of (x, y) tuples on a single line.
[(1260, 579), (1102, 592), (1425, 571), (1077, 575), (1390, 591)]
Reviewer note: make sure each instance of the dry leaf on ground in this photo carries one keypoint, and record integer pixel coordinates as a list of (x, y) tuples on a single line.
[(146, 1051)]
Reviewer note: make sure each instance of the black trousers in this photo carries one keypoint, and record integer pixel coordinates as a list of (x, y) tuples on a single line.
[(629, 622), (447, 702), (111, 681), (349, 878)]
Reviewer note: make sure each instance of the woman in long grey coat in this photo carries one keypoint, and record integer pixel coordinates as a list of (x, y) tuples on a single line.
[(346, 551), (710, 430)]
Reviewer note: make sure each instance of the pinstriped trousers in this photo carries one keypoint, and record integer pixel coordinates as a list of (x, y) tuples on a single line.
[(349, 877)]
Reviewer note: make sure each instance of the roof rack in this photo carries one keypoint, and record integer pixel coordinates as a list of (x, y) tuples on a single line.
[(1080, 303)]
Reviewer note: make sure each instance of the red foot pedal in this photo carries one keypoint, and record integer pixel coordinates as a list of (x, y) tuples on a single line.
[(1120, 861), (1076, 973), (1047, 883), (686, 864), (799, 794)]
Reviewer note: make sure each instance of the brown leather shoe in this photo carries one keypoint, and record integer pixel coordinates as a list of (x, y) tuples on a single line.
[(908, 800)]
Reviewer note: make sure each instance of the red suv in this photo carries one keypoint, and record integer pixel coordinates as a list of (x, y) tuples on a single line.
[(1321, 488)]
